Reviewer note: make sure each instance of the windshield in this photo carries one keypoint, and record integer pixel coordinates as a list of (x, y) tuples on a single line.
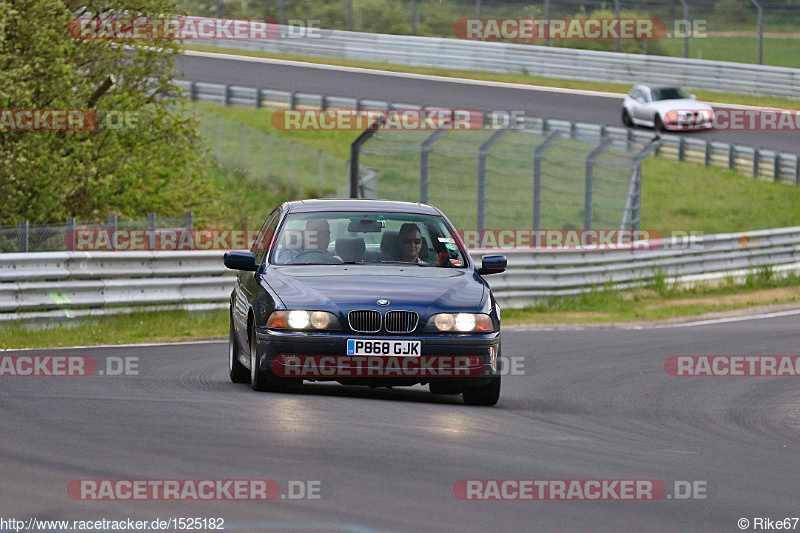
[(669, 93), (366, 238)]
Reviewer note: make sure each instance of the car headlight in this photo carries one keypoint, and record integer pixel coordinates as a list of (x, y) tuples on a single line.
[(299, 319), (671, 116), (460, 322)]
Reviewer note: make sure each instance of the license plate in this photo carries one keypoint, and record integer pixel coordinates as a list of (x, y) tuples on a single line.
[(382, 347)]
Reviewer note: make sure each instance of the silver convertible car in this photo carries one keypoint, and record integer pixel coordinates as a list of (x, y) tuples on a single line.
[(665, 108)]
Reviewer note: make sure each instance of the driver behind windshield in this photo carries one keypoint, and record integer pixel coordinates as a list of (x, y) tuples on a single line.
[(409, 240), (316, 239)]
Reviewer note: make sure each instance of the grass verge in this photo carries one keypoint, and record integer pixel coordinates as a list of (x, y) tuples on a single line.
[(661, 302), (622, 88), (133, 328)]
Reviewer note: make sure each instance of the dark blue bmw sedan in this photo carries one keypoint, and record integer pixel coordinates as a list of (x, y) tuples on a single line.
[(364, 292)]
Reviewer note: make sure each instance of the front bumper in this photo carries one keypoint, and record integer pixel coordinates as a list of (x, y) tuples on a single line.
[(444, 358)]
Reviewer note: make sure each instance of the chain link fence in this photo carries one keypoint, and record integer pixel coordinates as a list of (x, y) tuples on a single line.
[(27, 237), (531, 178), (268, 159)]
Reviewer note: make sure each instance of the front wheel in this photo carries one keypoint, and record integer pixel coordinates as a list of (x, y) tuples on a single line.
[(488, 394), (659, 124), (259, 380), (236, 369)]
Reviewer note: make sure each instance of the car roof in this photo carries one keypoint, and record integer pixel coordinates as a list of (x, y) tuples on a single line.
[(657, 87), (360, 204)]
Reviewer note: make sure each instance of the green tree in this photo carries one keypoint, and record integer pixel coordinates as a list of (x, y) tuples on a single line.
[(48, 175)]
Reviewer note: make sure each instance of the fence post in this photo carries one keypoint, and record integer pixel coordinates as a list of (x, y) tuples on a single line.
[(355, 150), (227, 94), (193, 91), (323, 102), (151, 231), (349, 16), (483, 154), (546, 16), (320, 169), (777, 169), (188, 220), (22, 235), (686, 33), (242, 167), (267, 157), (423, 163), (259, 98), (756, 157), (111, 225), (587, 205), (538, 154), (292, 100), (708, 153), (760, 23), (217, 137), (681, 148), (71, 233), (633, 203), (292, 164), (731, 156), (797, 170)]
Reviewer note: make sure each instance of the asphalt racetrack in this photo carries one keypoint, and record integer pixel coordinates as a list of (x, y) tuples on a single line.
[(592, 404), (453, 93)]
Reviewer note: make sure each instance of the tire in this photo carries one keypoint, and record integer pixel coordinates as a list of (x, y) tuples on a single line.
[(626, 118), (487, 395), (659, 124), (236, 370), (260, 381)]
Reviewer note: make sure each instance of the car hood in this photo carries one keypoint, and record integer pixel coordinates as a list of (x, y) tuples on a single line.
[(663, 106), (345, 287)]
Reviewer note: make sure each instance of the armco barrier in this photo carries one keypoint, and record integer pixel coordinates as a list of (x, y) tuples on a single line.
[(55, 284), (547, 62)]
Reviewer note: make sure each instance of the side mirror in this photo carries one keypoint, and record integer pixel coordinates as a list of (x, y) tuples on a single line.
[(493, 264), (240, 261)]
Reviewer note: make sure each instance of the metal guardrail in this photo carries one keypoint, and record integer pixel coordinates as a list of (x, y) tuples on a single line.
[(547, 62), (765, 164), (58, 284)]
